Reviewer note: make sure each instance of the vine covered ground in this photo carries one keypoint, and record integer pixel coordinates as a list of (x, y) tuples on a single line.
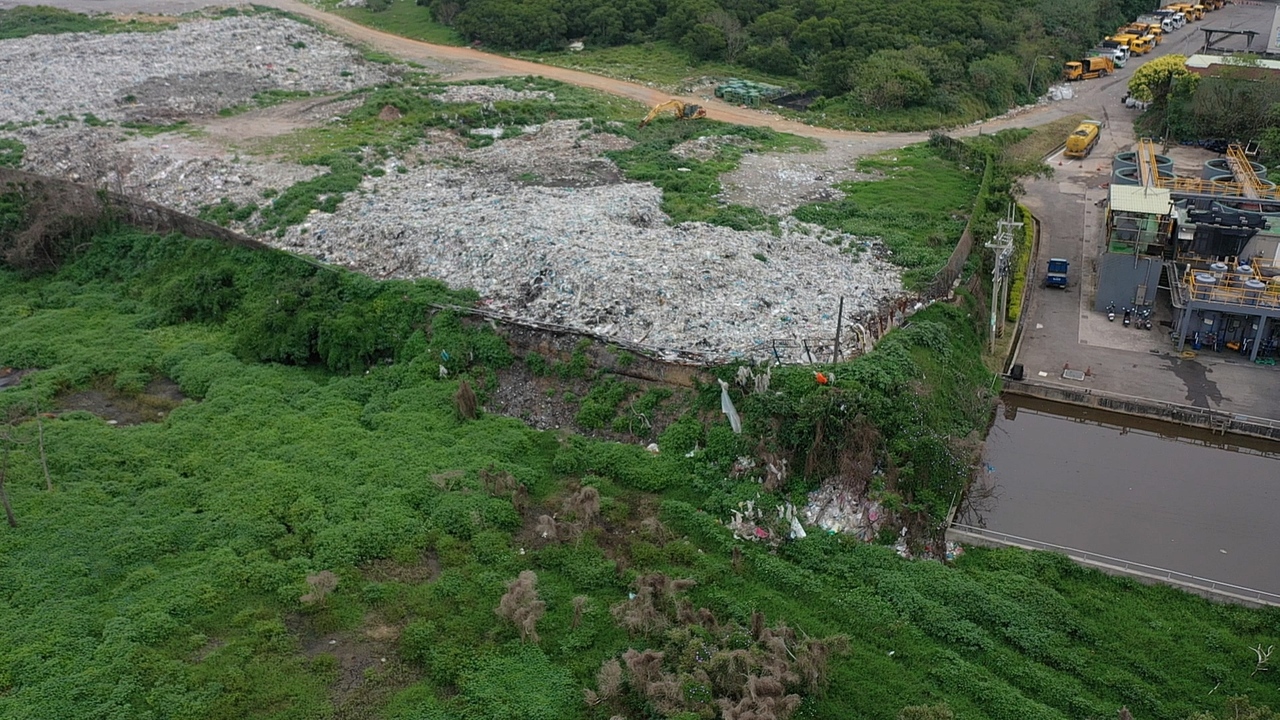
[(321, 520)]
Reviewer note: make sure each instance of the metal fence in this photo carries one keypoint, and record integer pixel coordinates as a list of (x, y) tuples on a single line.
[(1225, 591), (104, 204)]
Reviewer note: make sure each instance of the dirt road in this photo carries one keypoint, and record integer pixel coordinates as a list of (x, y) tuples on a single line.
[(467, 63)]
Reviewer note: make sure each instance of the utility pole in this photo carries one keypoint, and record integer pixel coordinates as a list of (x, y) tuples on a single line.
[(1002, 246), (835, 355)]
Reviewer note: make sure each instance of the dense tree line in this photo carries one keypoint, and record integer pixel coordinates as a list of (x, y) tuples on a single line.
[(880, 56), (1236, 103)]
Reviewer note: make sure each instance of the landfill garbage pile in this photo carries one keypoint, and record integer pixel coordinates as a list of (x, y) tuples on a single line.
[(196, 68), (176, 171), (778, 183), (490, 94), (601, 259), (554, 154)]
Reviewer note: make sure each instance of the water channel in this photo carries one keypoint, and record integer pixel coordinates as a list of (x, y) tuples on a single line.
[(1144, 491)]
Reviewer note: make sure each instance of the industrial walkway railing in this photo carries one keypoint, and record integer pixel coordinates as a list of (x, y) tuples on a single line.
[(1232, 288), (1222, 590)]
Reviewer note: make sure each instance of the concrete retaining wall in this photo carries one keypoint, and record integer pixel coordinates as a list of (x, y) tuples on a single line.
[(1214, 420)]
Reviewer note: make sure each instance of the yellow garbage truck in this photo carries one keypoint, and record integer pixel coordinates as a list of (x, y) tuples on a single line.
[(1082, 140), (1090, 67)]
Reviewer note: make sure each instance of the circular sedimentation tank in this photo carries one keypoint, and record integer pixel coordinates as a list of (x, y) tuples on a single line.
[(1130, 176), (1219, 166), (1229, 187), (1129, 159)]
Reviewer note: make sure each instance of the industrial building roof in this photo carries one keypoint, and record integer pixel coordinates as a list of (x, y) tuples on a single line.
[(1139, 199), (1204, 61)]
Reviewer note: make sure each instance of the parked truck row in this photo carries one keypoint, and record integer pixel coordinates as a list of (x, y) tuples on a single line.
[(1137, 38)]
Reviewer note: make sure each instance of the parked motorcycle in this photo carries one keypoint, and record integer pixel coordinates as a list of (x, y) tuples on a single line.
[(1144, 318), (1111, 312), (1128, 316)]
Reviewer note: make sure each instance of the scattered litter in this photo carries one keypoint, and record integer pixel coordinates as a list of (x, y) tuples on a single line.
[(490, 94), (749, 522), (839, 510)]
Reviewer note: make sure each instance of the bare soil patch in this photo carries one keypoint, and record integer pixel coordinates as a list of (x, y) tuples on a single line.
[(156, 401), (11, 377), (367, 670), (277, 120), (425, 569)]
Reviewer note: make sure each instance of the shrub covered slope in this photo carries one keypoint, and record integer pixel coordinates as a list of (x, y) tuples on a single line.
[(178, 567)]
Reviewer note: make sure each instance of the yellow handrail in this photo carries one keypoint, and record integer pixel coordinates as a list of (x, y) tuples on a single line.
[(1230, 288), (1242, 169)]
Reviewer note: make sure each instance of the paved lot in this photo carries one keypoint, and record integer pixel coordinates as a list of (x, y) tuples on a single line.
[(1062, 329)]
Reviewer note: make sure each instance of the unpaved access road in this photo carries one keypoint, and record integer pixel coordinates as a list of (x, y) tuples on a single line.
[(469, 64)]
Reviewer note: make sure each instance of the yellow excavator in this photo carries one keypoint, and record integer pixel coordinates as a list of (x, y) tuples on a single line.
[(683, 111)]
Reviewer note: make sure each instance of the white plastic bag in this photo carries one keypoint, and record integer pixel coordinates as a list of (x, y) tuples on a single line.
[(726, 407)]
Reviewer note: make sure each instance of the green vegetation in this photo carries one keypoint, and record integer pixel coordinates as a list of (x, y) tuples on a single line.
[(919, 208), (11, 150), (399, 18), (657, 62), (874, 65), (1235, 102), (323, 193), (27, 20), (362, 128), (320, 482), (1021, 255), (1043, 140), (690, 186), (365, 136), (226, 211), (151, 130)]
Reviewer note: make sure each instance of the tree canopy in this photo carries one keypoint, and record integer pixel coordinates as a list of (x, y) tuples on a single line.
[(873, 56)]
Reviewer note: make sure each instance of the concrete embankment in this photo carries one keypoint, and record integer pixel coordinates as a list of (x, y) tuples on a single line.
[(1146, 574), (1215, 420)]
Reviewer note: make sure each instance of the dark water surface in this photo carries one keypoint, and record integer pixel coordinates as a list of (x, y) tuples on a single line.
[(1143, 491)]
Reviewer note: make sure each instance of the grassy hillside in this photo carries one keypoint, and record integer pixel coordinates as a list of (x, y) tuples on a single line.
[(313, 530)]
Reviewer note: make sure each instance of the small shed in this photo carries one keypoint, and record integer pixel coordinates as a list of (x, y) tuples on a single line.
[(1139, 217)]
